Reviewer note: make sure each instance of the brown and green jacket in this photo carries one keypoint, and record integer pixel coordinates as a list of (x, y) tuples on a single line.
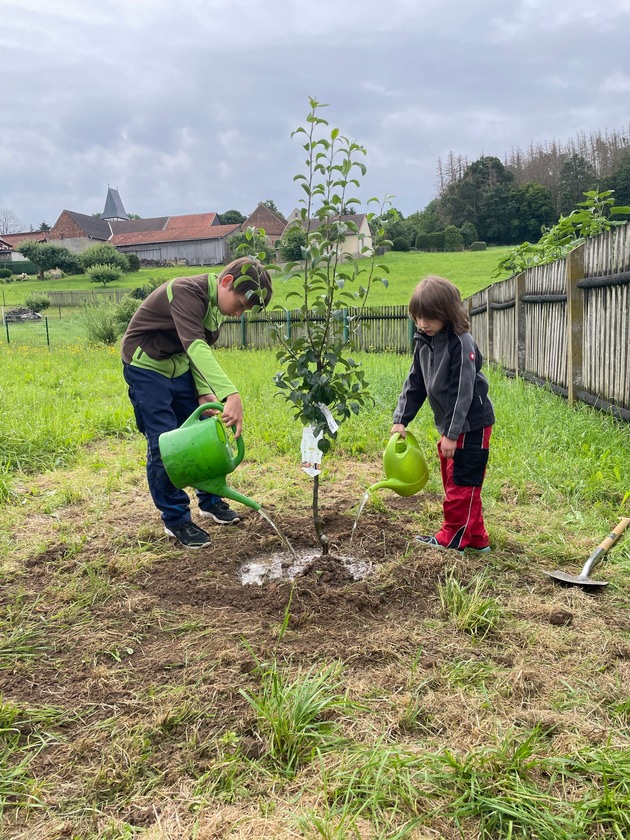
[(172, 332)]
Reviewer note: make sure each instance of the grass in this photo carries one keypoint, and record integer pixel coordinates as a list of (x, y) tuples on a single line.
[(470, 270), (145, 692), (68, 325), (471, 611)]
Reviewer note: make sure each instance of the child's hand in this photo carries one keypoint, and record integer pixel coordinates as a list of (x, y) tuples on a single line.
[(208, 398), (448, 447), (233, 413), (398, 427)]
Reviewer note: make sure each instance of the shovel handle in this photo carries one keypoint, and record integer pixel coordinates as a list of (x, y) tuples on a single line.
[(607, 543), (604, 547)]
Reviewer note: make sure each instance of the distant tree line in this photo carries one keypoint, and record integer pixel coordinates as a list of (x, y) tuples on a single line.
[(514, 201)]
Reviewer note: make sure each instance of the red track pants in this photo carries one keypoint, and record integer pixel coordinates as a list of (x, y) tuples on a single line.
[(462, 477)]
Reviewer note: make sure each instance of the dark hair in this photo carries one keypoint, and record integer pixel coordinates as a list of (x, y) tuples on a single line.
[(251, 278), (439, 299)]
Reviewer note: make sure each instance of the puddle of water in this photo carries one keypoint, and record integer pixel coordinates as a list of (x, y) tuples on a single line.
[(284, 566)]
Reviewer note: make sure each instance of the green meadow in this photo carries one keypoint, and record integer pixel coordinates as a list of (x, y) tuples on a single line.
[(471, 271)]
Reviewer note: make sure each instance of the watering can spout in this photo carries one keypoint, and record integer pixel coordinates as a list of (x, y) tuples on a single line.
[(403, 489), (218, 487), (406, 470)]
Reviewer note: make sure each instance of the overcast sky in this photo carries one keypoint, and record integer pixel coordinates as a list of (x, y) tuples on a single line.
[(187, 106)]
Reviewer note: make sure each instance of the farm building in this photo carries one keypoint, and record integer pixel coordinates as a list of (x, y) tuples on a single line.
[(185, 240), (12, 240), (354, 242), (196, 239), (273, 223)]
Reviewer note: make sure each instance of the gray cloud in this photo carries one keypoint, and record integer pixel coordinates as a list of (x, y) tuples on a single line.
[(189, 106)]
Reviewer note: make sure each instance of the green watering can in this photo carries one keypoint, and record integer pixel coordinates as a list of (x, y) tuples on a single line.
[(198, 454), (406, 470)]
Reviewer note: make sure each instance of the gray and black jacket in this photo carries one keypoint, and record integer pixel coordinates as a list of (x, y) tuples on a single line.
[(446, 370)]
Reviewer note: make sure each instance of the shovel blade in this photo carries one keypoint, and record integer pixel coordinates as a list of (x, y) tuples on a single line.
[(575, 580)]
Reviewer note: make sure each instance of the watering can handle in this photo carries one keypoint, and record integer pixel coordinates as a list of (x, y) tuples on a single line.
[(194, 417), (397, 436)]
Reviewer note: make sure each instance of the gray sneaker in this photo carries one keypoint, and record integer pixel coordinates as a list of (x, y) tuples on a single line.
[(189, 535), (221, 513)]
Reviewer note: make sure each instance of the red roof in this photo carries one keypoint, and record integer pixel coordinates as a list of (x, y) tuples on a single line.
[(191, 220), (271, 222), (30, 236), (178, 234)]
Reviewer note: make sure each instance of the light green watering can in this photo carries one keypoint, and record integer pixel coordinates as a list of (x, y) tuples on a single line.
[(406, 471), (198, 454)]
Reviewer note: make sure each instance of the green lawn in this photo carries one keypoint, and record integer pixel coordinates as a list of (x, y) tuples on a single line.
[(471, 271)]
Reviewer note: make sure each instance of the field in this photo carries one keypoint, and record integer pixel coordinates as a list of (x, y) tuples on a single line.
[(386, 691), (471, 271)]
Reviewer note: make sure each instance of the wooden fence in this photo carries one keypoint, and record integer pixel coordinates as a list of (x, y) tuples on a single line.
[(383, 328), (91, 296), (565, 324)]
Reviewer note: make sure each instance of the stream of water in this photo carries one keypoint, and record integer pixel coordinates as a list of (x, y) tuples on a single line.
[(286, 542), (366, 496)]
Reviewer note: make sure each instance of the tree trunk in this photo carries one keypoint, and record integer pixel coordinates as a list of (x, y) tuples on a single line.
[(323, 539)]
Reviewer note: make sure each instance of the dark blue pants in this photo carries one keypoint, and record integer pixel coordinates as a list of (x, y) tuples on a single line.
[(161, 405)]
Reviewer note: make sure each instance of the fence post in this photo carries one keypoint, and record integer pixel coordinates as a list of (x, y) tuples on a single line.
[(47, 333), (490, 323), (412, 332), (288, 324), (575, 321), (243, 331), (519, 291), (345, 326), (6, 324)]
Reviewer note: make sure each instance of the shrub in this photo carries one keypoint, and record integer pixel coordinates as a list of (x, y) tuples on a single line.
[(22, 267), (400, 244), (134, 262), (469, 233), (101, 324), (453, 239), (292, 243), (477, 246), (124, 312), (141, 292), (104, 254), (5, 272), (430, 241), (37, 302), (104, 273)]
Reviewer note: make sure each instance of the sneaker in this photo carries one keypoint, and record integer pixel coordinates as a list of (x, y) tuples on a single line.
[(486, 549), (189, 535), (221, 513), (431, 542)]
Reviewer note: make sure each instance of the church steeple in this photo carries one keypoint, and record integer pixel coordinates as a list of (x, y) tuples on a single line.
[(114, 210)]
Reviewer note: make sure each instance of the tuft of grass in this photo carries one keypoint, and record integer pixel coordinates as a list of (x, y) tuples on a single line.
[(295, 713), (470, 609), (23, 735)]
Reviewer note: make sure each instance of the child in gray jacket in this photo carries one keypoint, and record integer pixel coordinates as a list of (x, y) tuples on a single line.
[(446, 371)]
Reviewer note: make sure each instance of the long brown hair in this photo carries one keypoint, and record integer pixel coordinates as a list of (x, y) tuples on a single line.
[(439, 299)]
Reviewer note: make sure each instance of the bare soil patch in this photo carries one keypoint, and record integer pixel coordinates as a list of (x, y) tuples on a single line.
[(138, 650)]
